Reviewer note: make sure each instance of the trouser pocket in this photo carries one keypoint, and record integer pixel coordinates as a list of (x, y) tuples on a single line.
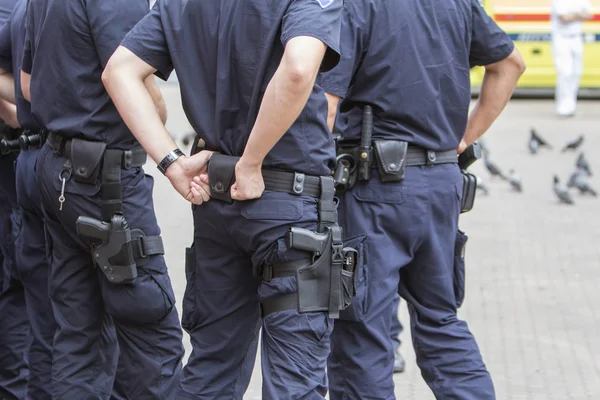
[(459, 267)]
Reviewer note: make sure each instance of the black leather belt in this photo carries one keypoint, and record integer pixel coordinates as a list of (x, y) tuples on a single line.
[(292, 182), (415, 155), (133, 158)]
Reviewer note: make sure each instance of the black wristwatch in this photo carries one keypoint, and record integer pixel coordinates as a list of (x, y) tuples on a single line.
[(168, 160)]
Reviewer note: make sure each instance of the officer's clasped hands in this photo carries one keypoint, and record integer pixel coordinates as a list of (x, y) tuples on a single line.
[(182, 173)]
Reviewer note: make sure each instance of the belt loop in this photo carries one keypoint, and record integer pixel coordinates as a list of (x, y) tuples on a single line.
[(127, 159), (298, 183), (431, 157)]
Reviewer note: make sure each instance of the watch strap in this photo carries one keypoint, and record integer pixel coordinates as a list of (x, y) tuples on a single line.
[(168, 160)]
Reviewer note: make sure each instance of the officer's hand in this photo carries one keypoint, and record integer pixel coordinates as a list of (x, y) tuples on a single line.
[(199, 190), (249, 182), (182, 172), (462, 146)]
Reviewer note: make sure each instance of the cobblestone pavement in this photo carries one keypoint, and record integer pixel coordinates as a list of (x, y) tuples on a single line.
[(533, 266)]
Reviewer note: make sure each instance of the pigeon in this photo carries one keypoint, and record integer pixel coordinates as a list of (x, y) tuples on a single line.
[(582, 164), (493, 168), (562, 192), (573, 178), (574, 144), (580, 182), (515, 181), (481, 186), (535, 142)]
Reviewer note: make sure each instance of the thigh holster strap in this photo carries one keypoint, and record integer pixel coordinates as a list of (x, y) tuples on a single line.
[(280, 270)]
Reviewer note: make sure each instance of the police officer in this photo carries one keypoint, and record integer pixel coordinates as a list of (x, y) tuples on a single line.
[(567, 49), (30, 246), (91, 166), (247, 72), (14, 326), (407, 62)]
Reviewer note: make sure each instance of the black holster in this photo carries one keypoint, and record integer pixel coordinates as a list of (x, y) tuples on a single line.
[(469, 191), (116, 249), (326, 281)]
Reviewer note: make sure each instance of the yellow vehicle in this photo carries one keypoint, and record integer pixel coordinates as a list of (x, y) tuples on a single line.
[(528, 24)]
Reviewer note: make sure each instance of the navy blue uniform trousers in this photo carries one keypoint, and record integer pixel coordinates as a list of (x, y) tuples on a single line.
[(407, 232), (14, 325), (33, 269), (86, 305), (221, 303)]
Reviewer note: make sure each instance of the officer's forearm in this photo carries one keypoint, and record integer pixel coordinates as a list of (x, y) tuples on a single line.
[(499, 82), (285, 96), (7, 86), (124, 79)]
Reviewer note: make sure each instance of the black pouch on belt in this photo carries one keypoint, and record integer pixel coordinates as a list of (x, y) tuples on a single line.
[(86, 158), (390, 156), (469, 190), (221, 175)]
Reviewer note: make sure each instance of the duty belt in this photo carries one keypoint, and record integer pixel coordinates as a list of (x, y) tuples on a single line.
[(415, 155), (295, 183), (133, 158)]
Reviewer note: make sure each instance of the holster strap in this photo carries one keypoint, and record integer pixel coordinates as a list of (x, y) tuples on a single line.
[(280, 270), (279, 303), (145, 246)]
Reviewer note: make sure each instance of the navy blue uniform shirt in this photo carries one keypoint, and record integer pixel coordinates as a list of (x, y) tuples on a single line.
[(225, 52), (411, 60), (12, 41), (6, 7), (68, 44)]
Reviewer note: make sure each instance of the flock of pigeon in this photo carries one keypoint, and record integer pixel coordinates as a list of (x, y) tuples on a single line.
[(578, 179)]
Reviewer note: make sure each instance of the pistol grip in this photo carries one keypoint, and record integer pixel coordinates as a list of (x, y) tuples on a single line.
[(92, 228)]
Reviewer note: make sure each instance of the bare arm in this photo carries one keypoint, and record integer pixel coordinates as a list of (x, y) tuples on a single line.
[(332, 105), (285, 97), (8, 113), (130, 83), (157, 98), (7, 86), (25, 85), (499, 82)]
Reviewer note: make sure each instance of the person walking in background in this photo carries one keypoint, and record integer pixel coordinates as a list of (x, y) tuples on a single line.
[(567, 50)]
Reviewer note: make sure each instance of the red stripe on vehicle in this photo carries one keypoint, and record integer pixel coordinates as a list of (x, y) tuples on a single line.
[(530, 17)]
